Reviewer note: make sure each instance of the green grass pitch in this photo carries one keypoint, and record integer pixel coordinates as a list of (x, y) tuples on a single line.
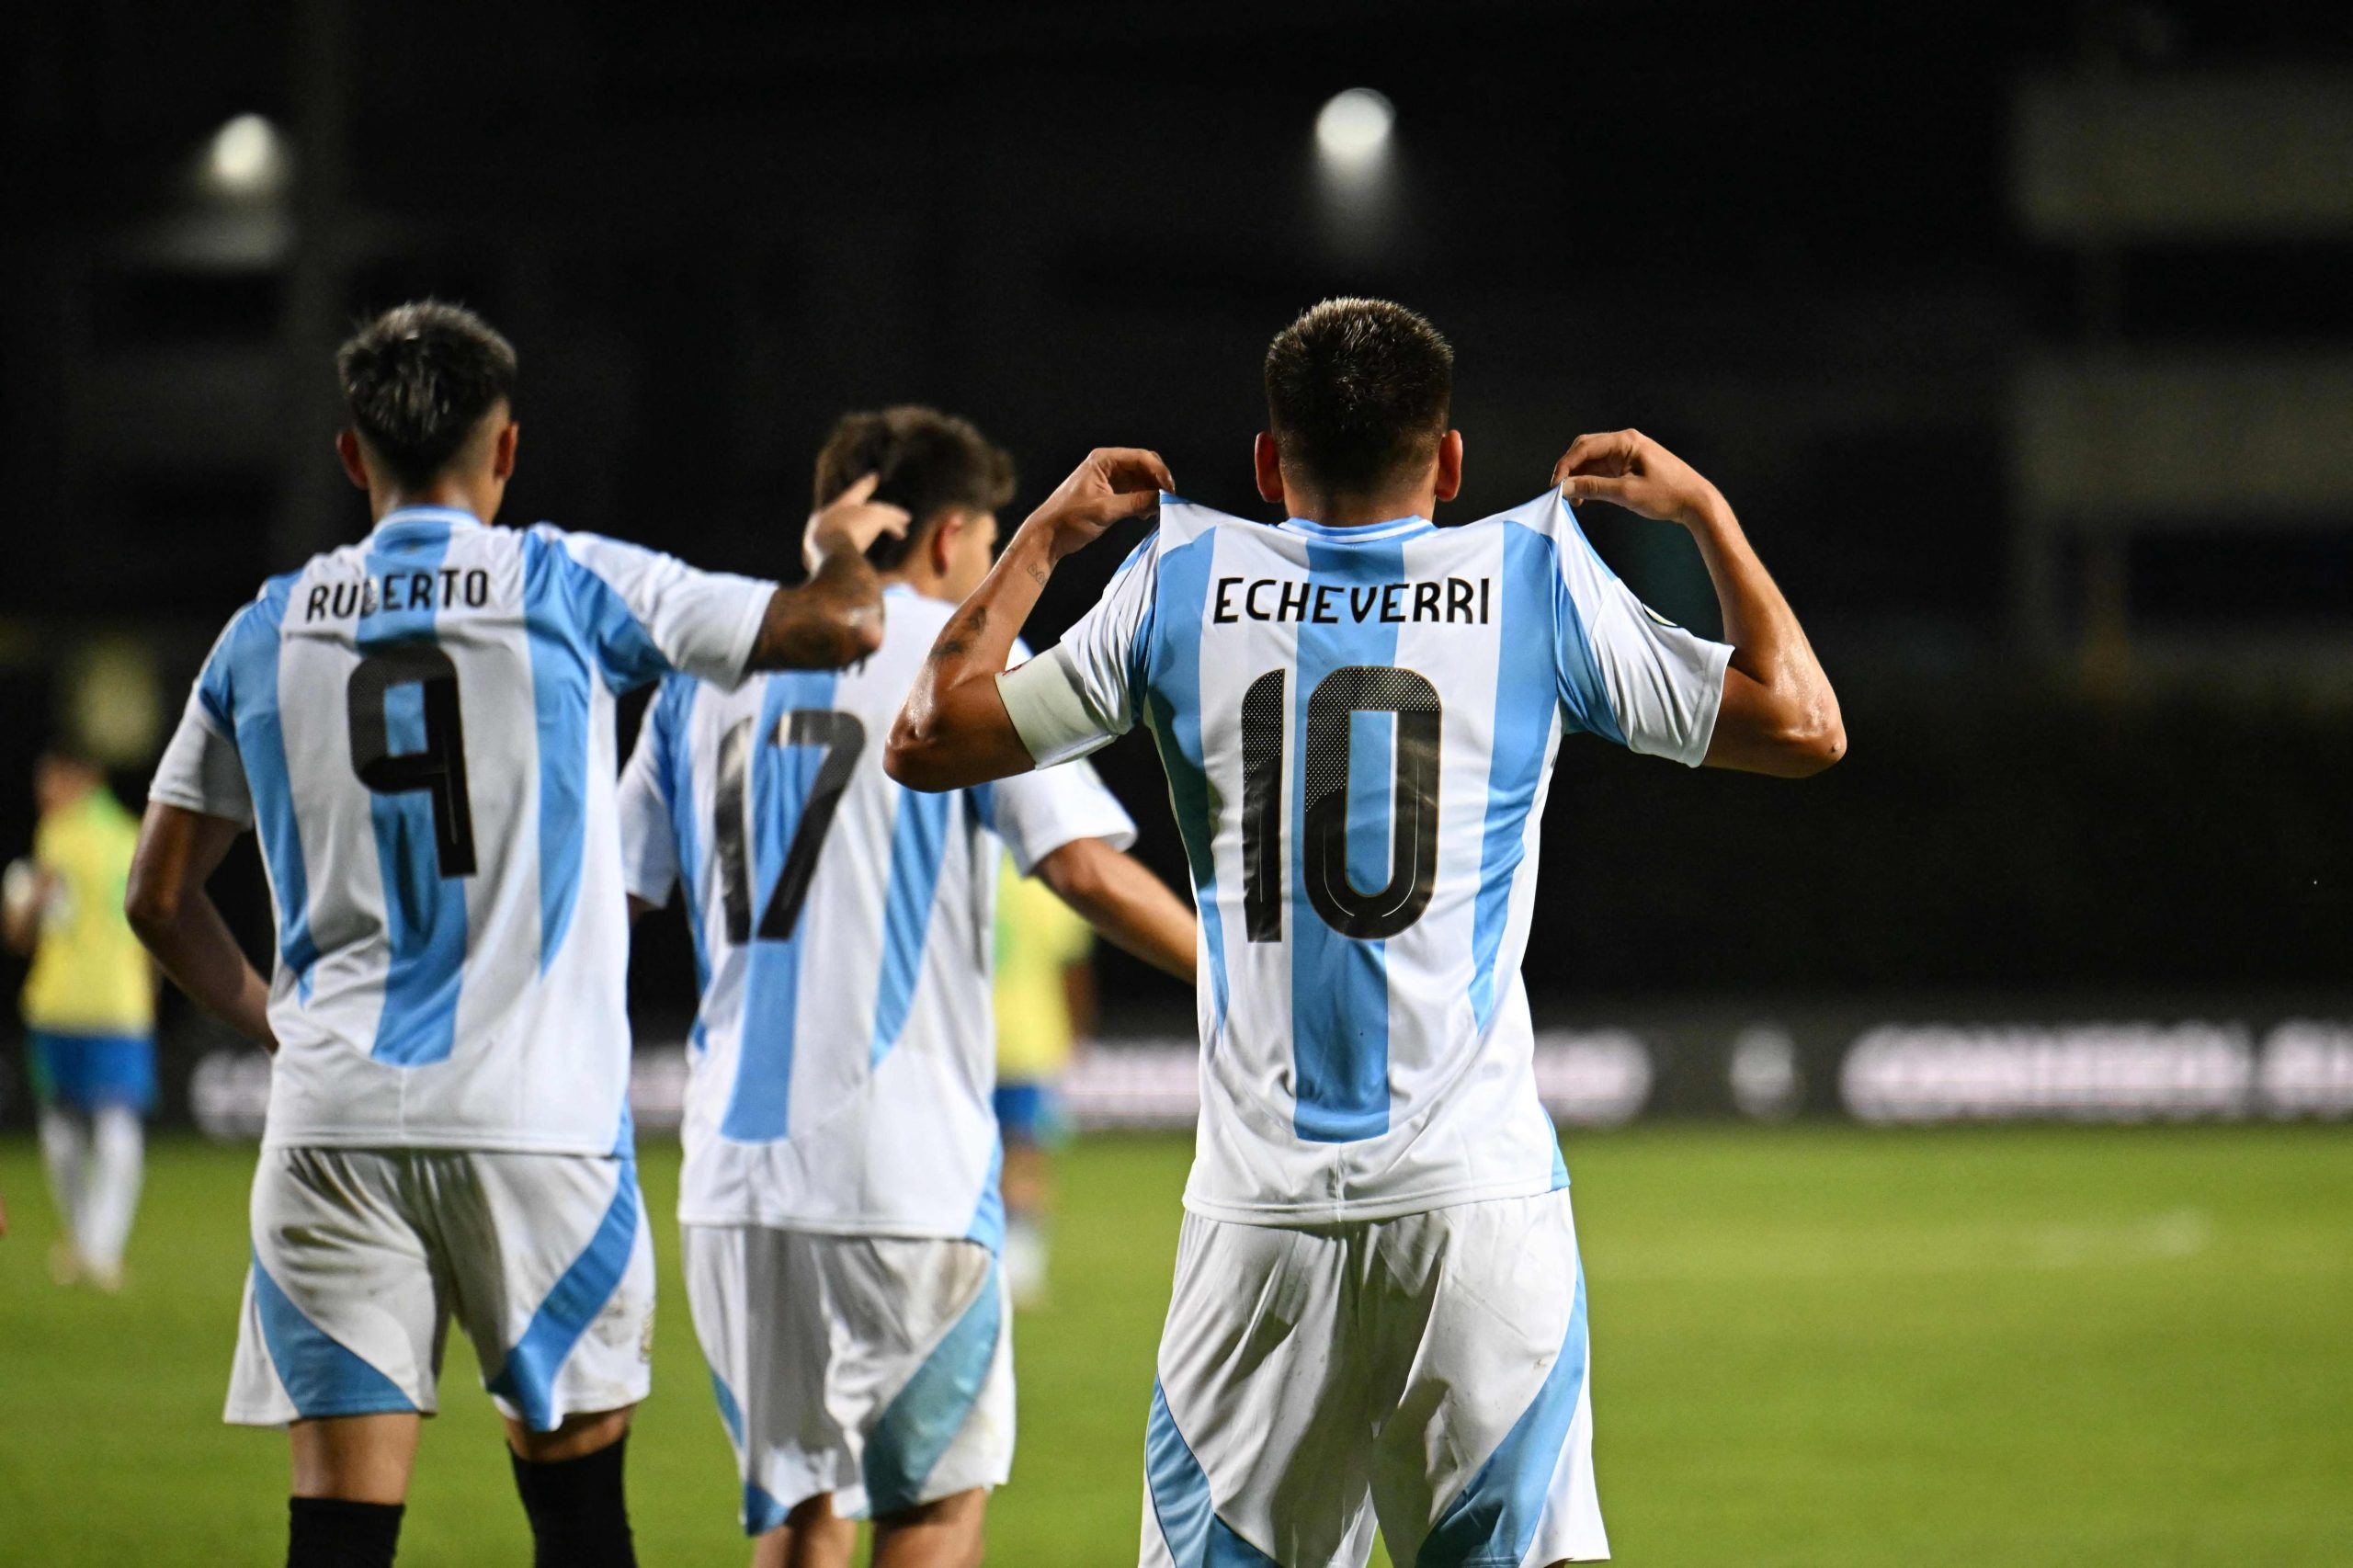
[(1815, 1347)]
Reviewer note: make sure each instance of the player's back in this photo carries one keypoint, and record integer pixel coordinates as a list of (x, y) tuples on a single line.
[(422, 724), (844, 1053), (1359, 727)]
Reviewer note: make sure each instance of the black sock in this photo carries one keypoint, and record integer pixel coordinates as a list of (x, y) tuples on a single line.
[(579, 1514), (328, 1532)]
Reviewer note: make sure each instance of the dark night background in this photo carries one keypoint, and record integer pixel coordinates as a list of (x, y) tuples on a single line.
[(2097, 666)]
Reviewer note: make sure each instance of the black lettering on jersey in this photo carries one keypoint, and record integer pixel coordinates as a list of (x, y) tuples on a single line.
[(444, 588), (1439, 602)]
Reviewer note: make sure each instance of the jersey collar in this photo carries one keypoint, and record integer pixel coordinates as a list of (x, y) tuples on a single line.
[(1369, 533), (407, 519)]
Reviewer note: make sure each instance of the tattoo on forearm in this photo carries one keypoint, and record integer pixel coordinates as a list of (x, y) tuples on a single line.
[(827, 622), (958, 639)]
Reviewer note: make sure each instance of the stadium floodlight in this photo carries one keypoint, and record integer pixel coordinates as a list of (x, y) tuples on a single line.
[(1353, 128), (246, 157)]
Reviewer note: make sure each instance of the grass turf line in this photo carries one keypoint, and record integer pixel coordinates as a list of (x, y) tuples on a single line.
[(1823, 1346)]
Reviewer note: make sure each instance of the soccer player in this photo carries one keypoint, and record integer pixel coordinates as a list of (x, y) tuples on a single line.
[(89, 1008), (419, 727), (839, 1200), (1045, 1004), (1377, 1297)]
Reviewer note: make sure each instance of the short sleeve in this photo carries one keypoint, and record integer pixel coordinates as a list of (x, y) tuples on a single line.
[(201, 769), (646, 614), (649, 840), (1082, 694), (1037, 814), (1626, 672)]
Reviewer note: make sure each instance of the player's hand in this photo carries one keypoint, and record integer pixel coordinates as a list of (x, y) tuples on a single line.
[(852, 521), (1112, 484), (1628, 469)]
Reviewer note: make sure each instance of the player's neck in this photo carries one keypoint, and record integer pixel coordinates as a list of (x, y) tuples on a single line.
[(447, 492), (1359, 511), (929, 584)]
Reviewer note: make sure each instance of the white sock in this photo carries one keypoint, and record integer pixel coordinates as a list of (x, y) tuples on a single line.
[(63, 1146), (117, 1151), (1025, 1259)]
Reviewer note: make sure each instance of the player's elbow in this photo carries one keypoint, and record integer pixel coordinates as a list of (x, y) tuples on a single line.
[(917, 757), (1812, 743), (151, 905)]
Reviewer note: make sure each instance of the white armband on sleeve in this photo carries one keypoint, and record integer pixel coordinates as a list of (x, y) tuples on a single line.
[(1050, 712)]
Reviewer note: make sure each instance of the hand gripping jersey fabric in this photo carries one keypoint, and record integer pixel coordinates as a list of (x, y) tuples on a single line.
[(1359, 728), (843, 1058), (419, 727)]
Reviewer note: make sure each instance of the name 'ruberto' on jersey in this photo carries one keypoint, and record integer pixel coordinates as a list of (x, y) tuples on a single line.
[(1446, 600), (446, 587)]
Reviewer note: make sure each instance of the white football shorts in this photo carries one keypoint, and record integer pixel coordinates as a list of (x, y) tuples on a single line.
[(362, 1256), (1428, 1372), (876, 1369)]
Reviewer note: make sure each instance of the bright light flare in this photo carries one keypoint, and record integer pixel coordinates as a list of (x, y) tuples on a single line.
[(248, 158), (1354, 128)]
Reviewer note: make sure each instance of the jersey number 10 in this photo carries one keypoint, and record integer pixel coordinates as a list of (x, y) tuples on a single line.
[(1323, 837)]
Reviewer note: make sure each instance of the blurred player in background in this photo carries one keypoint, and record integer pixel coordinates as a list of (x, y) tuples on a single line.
[(89, 1008), (840, 1196), (1378, 1310), (1045, 1006), (420, 729)]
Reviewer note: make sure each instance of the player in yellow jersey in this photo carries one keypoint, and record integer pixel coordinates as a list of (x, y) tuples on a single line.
[(89, 1010), (1045, 1004)]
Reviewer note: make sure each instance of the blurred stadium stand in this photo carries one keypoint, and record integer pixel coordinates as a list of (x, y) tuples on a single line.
[(2016, 333)]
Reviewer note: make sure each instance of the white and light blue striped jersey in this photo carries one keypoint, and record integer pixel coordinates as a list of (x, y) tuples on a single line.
[(842, 1063), (420, 728), (1359, 727)]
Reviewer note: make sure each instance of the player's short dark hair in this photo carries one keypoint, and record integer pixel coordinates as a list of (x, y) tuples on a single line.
[(1358, 389), (419, 379), (931, 463)]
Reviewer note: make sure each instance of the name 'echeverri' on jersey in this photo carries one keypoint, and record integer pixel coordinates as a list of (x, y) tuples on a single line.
[(420, 728), (845, 1051), (1359, 727)]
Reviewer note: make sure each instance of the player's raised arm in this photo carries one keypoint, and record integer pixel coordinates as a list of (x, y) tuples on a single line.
[(954, 730), (835, 618), (1779, 715), (167, 906)]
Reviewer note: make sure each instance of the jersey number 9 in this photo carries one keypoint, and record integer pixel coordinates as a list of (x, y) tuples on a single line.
[(440, 768)]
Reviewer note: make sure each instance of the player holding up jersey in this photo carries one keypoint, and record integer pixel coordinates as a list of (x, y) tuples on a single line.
[(419, 728), (840, 1198), (1379, 1297)]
